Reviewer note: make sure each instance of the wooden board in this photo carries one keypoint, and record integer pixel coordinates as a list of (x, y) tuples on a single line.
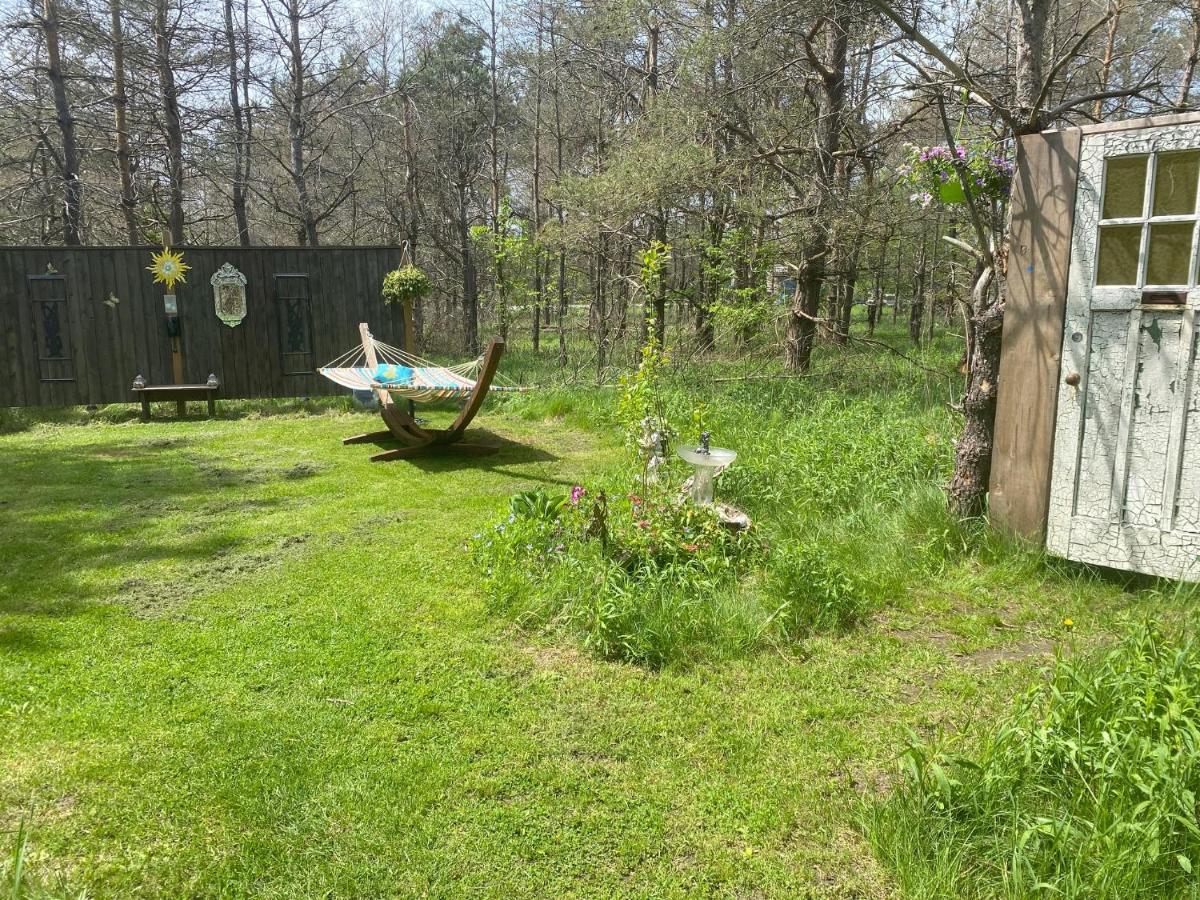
[(1127, 429), (113, 343), (1043, 201)]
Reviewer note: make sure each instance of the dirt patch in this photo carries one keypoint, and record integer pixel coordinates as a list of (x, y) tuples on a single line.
[(225, 507), (1030, 648), (304, 470), (226, 476), (150, 599), (373, 523), (555, 657)]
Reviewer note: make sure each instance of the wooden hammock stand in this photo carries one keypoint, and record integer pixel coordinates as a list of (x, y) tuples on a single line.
[(419, 441)]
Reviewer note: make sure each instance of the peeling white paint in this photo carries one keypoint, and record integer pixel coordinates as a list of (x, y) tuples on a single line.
[(1125, 490)]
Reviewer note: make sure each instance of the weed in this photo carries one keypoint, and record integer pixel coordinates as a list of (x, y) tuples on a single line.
[(1087, 789)]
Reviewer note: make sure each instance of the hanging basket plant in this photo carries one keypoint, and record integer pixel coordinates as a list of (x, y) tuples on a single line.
[(406, 284), (935, 173)]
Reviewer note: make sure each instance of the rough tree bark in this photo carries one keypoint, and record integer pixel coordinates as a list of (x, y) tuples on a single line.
[(470, 281), (1189, 66), (831, 69), (120, 116), (499, 290), (68, 160), (412, 202), (539, 286), (241, 142), (298, 129), (172, 129)]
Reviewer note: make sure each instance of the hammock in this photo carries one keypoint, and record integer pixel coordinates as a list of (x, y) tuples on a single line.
[(386, 370), (405, 375)]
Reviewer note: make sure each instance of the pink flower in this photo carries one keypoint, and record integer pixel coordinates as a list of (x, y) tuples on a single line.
[(577, 493), (643, 523)]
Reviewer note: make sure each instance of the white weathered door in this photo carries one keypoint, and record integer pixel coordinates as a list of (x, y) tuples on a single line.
[(1126, 483)]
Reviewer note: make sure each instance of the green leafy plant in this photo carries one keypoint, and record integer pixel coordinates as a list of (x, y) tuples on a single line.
[(654, 259), (1088, 788), (817, 593), (536, 504), (640, 579), (510, 250), (406, 284), (740, 270)]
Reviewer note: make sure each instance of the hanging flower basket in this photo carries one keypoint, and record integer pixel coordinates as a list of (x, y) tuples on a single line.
[(933, 174)]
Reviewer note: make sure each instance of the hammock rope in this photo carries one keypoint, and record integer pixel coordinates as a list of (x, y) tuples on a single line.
[(403, 374)]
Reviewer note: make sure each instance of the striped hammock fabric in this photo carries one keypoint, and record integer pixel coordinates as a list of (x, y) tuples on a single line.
[(404, 375)]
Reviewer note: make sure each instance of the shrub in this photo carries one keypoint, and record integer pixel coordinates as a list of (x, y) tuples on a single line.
[(1087, 788), (646, 580), (817, 593)]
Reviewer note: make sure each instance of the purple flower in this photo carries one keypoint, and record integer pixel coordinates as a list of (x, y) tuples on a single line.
[(577, 493)]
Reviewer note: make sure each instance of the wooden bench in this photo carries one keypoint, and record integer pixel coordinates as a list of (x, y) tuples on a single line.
[(180, 393)]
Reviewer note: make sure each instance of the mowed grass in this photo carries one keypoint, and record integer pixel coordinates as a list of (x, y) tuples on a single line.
[(238, 659)]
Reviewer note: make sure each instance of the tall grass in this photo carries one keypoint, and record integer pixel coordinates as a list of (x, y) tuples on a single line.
[(839, 469), (1087, 788)]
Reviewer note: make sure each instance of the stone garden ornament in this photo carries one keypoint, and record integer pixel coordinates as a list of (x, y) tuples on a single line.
[(229, 295)]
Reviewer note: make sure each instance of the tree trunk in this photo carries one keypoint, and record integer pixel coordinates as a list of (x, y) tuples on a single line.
[(916, 312), (412, 220), (539, 286), (802, 320), (470, 283), (1189, 68), (298, 130), (1106, 61), (973, 457), (500, 288), (172, 129), (660, 220), (120, 107), (241, 145), (72, 214)]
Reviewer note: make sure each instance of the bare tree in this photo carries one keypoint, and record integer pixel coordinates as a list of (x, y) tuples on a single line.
[(67, 158)]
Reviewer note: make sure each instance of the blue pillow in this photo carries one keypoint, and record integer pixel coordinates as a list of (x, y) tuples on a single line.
[(389, 374)]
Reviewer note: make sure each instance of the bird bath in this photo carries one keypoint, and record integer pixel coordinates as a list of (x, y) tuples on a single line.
[(707, 462)]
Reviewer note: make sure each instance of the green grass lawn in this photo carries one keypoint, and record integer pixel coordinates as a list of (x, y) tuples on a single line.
[(237, 658)]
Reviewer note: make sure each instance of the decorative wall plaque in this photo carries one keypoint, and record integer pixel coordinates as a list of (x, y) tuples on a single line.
[(229, 294)]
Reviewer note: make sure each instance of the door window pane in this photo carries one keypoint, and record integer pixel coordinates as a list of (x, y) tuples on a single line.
[(1175, 183), (1124, 186), (1119, 245), (1170, 253)]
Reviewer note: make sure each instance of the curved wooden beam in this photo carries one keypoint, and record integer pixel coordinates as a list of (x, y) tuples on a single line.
[(491, 362), (401, 426)]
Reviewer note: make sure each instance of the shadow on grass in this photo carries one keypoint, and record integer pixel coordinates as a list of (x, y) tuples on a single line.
[(18, 639), (507, 459), (70, 512)]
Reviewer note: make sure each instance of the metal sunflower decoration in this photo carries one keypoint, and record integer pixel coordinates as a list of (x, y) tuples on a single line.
[(168, 268)]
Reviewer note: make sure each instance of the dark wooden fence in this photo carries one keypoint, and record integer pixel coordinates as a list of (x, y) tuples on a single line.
[(78, 324)]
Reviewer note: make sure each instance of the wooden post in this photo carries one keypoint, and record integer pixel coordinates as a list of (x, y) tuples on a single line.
[(1043, 210)]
